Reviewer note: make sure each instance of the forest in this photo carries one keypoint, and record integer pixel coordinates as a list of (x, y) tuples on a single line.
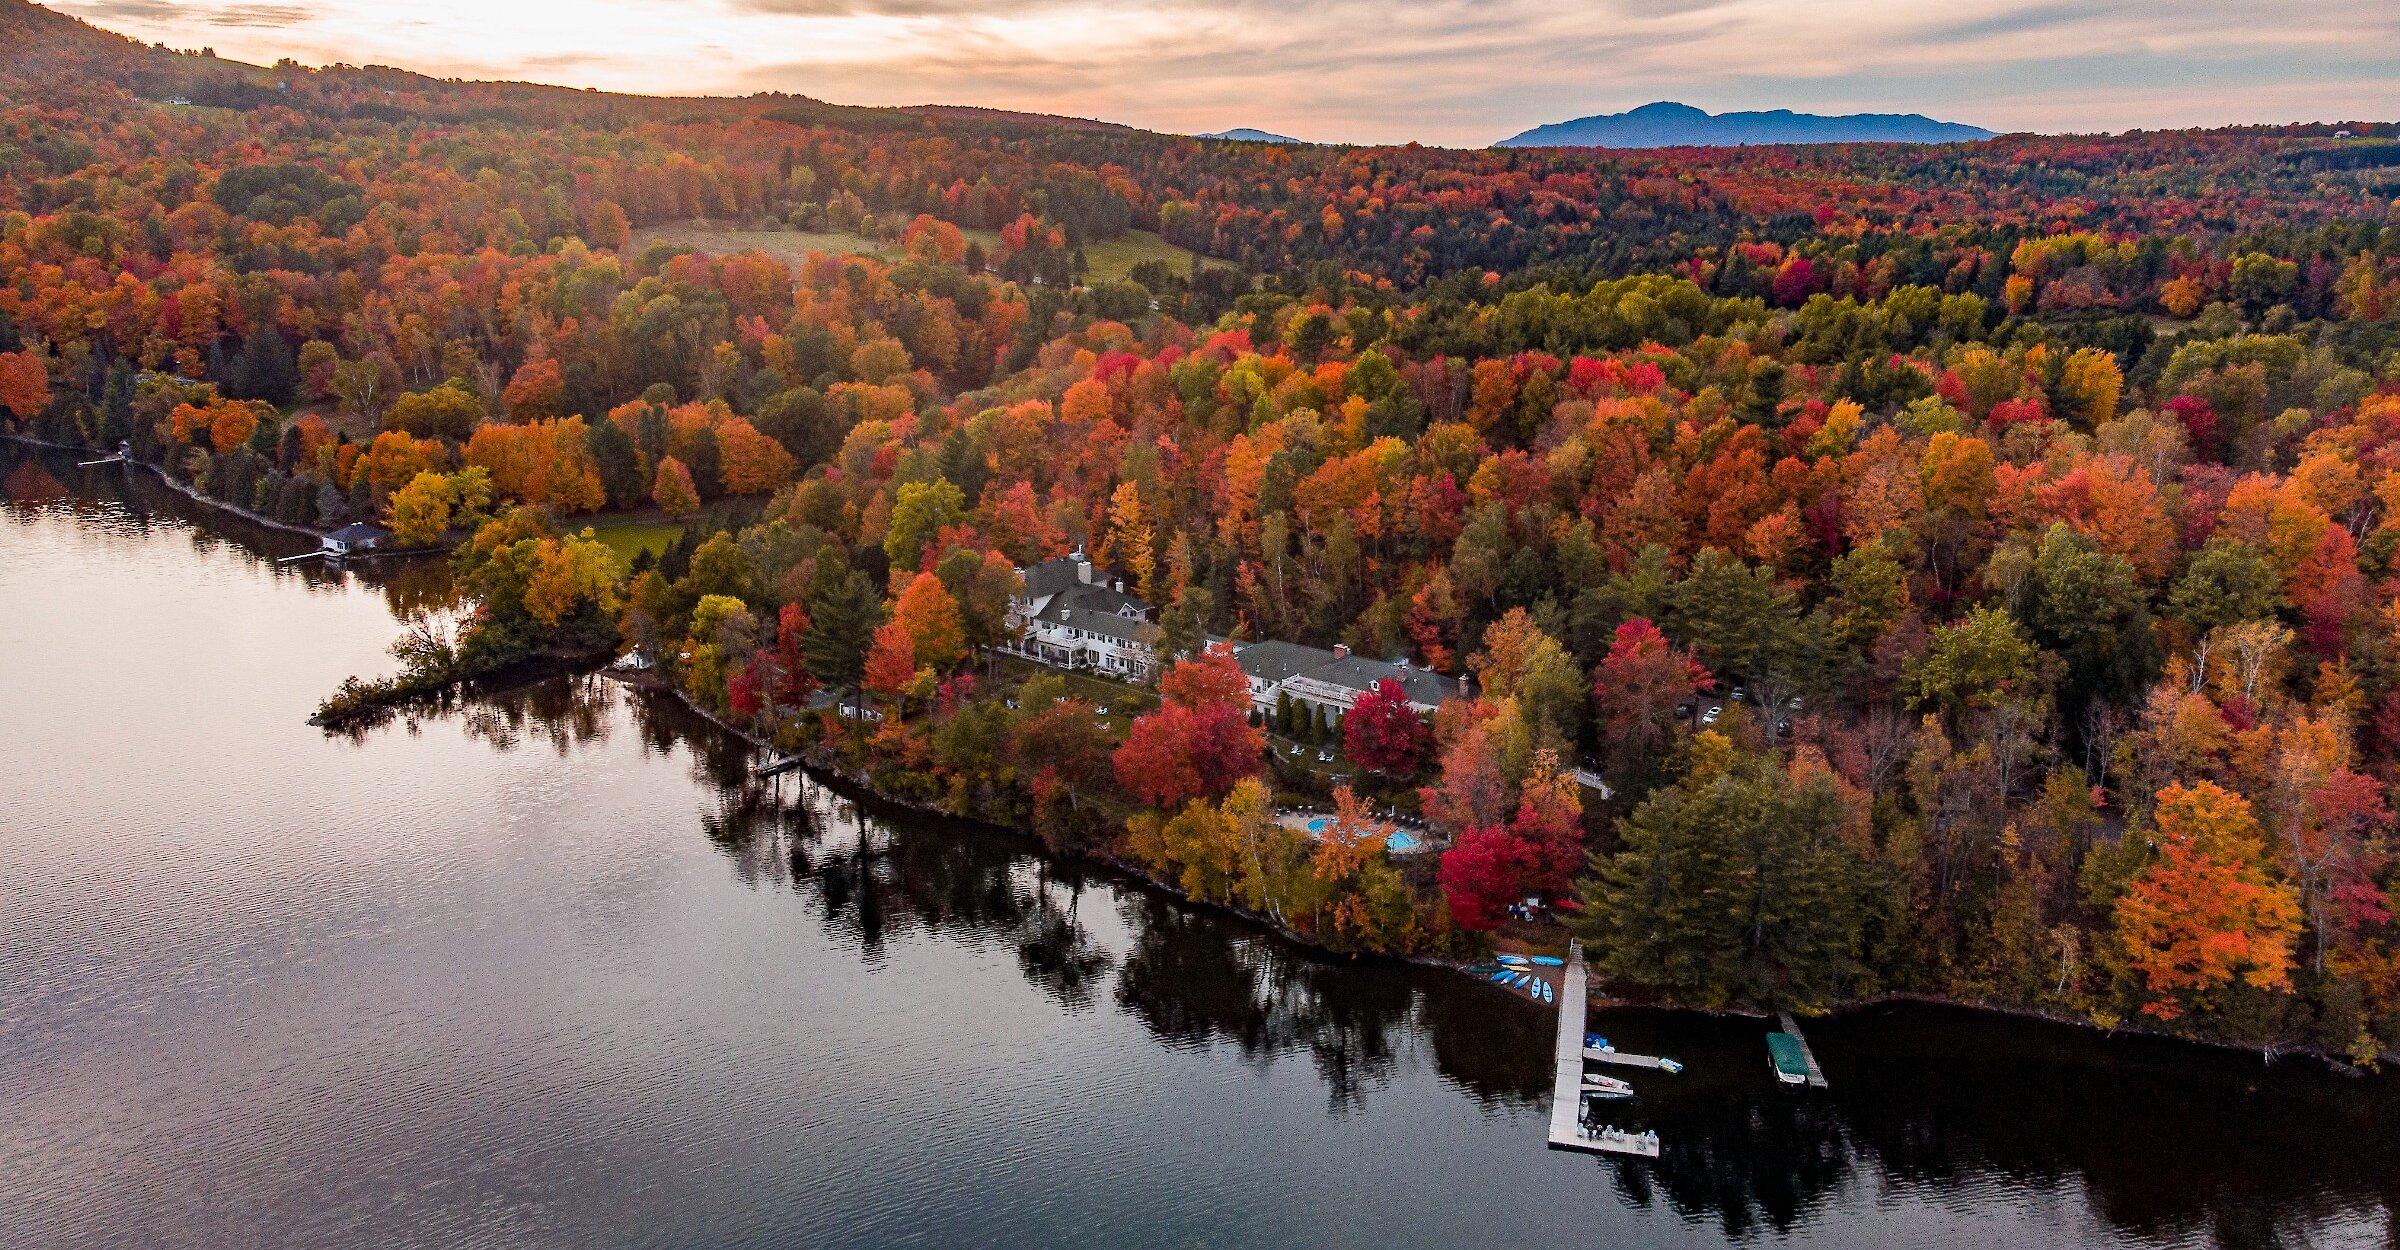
[(1970, 568)]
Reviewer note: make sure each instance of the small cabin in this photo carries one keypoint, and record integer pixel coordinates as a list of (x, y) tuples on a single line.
[(356, 538)]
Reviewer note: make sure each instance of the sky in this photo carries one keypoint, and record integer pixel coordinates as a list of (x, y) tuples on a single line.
[(1455, 72)]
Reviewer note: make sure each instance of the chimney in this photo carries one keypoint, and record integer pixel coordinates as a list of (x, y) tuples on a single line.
[(1341, 651), (1120, 585), (1083, 568)]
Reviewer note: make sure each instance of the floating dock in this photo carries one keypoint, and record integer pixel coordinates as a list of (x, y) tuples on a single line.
[(1610, 1054), (1567, 1131), (1808, 1058), (777, 768)]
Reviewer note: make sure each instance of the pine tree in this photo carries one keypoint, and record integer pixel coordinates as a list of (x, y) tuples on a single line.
[(1732, 885), (843, 613)]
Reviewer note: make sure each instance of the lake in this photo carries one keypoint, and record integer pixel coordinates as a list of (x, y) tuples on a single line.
[(547, 969)]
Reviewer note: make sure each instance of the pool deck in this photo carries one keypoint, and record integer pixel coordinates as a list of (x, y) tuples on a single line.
[(1415, 839)]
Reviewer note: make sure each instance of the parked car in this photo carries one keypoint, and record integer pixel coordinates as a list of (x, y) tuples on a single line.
[(1710, 717), (1325, 757)]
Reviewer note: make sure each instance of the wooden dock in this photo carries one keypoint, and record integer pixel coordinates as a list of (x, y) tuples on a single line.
[(1816, 1075), (1610, 1054), (1566, 1099), (777, 768)]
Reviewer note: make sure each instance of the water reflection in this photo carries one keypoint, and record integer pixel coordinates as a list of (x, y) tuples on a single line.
[(530, 928), (133, 503), (2171, 1144)]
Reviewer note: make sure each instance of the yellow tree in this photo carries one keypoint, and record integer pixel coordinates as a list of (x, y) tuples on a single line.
[(1130, 539), (420, 511)]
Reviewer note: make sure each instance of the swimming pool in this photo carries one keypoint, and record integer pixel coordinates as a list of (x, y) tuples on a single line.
[(1401, 842)]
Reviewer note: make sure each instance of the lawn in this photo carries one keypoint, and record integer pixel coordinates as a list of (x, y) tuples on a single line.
[(636, 534), (1110, 259), (1113, 259), (789, 246)]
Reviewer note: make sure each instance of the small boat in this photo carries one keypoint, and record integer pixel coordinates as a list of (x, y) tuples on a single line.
[(1669, 1066), (1550, 961), (1502, 978), (1606, 1087), (1593, 1041), (1787, 1059), (1549, 994), (1514, 961)]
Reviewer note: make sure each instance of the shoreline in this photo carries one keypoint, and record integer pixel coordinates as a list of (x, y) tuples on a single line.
[(825, 774), (543, 667), (179, 488)]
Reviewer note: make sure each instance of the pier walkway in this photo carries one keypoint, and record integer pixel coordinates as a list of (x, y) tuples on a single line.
[(1610, 1054), (1816, 1075), (1566, 1100)]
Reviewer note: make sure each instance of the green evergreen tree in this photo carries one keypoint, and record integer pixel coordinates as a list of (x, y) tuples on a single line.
[(619, 461), (843, 613), (1732, 615), (1731, 887)]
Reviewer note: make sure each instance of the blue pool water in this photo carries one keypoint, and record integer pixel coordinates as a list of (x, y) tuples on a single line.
[(1401, 842)]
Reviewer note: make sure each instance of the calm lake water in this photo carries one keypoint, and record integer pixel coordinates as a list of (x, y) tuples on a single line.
[(543, 971)]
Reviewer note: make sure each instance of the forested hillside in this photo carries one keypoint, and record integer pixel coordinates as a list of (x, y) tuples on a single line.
[(2039, 495)]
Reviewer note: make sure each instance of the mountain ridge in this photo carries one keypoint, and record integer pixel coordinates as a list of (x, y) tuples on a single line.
[(1670, 124), (1249, 134)]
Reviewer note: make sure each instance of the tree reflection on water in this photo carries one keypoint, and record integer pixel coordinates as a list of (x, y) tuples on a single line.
[(2165, 1142)]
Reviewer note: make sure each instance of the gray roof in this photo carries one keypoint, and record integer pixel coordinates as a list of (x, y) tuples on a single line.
[(1122, 628), (1274, 661), (1054, 575), (1096, 608), (360, 531), (1357, 672)]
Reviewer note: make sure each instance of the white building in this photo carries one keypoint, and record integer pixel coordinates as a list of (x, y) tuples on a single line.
[(1072, 615), (1334, 680)]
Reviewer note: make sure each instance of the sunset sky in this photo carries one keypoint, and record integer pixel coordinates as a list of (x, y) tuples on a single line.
[(1446, 71)]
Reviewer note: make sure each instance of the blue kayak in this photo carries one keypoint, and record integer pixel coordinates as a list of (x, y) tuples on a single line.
[(1514, 961), (1549, 995), (1550, 961)]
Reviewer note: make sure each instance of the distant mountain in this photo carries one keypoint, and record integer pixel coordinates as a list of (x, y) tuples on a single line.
[(1666, 124), (1247, 135)]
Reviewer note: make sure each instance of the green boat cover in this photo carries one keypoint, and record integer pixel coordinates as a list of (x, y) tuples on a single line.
[(1785, 1050)]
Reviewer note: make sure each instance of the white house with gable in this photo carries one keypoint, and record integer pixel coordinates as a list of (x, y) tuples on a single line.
[(1073, 615)]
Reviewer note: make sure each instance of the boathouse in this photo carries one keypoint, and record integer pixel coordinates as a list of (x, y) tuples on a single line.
[(356, 538)]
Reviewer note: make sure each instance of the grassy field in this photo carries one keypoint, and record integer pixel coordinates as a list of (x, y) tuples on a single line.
[(629, 534), (789, 246), (1112, 259)]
